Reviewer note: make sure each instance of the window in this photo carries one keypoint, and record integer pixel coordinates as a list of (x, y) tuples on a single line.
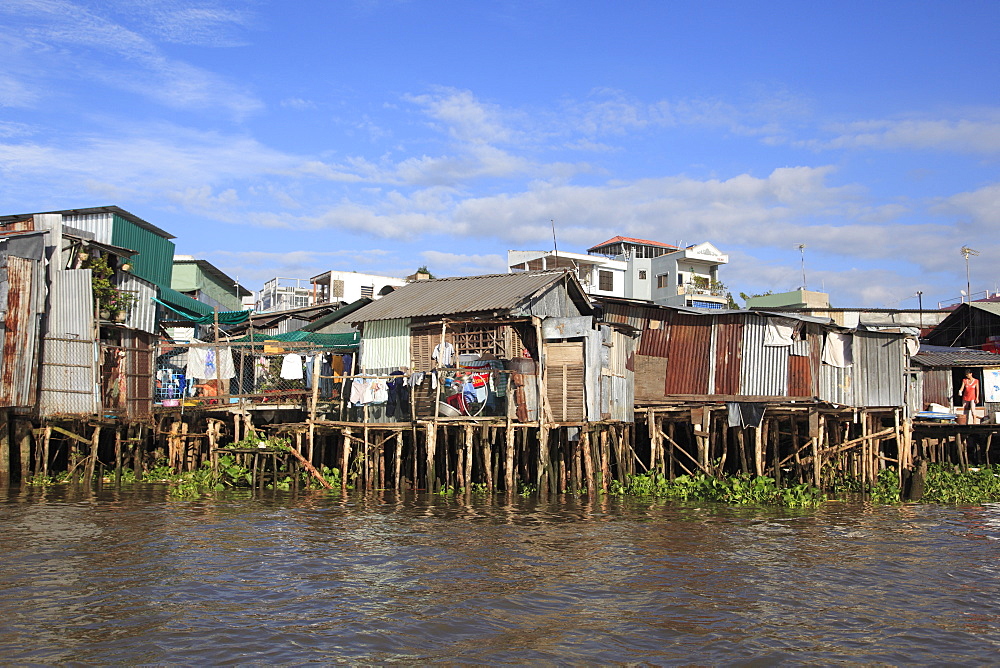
[(642, 274), (680, 278), (663, 280), (606, 280), (368, 291)]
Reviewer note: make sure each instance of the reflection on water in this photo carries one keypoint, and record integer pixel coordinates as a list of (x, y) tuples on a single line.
[(131, 577)]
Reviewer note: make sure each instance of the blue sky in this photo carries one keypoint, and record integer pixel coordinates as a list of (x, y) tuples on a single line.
[(292, 137)]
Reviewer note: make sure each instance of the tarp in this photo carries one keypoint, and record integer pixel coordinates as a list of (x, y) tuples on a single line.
[(197, 312), (348, 340)]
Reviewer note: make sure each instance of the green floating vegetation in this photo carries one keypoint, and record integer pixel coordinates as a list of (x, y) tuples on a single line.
[(737, 490), (944, 484)]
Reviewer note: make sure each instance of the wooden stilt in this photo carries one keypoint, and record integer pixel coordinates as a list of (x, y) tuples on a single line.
[(510, 440)]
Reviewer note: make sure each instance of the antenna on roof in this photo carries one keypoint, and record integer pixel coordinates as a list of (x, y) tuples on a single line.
[(555, 247), (802, 253), (966, 252)]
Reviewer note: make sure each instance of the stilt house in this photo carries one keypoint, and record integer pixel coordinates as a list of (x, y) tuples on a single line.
[(527, 343)]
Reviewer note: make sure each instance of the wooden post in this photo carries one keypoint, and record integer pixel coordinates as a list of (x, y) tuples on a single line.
[(4, 448), (118, 455), (467, 442), (345, 457), (509, 455), (46, 445), (588, 462), (398, 461), (431, 478), (317, 359), (22, 433), (95, 439), (542, 474), (815, 435), (605, 464), (486, 445)]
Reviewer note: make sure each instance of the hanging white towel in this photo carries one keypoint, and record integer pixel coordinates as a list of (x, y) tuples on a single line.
[(291, 367), (838, 350), (779, 331)]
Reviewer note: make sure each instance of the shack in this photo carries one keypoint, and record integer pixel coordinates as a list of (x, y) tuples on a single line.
[(727, 391)]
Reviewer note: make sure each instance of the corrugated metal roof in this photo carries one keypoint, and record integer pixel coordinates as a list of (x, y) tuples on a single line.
[(945, 356), (989, 307), (97, 210), (464, 294)]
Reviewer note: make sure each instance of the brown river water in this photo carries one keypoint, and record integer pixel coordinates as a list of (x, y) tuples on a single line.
[(131, 577)]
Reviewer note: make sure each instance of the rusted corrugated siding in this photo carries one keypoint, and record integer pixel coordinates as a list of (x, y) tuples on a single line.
[(688, 355), (20, 336), (728, 353), (654, 342), (17, 226), (938, 387), (763, 369), (139, 375), (632, 315)]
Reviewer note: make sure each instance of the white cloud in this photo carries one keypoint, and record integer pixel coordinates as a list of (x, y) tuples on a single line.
[(963, 135), (455, 264), (63, 40), (981, 207)]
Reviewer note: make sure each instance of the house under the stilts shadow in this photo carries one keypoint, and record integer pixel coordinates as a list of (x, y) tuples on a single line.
[(523, 347), (793, 378)]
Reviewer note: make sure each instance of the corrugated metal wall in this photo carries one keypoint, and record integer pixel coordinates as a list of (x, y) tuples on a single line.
[(100, 224), (20, 334), (155, 261), (937, 387), (385, 344), (142, 316), (617, 382), (836, 384), (880, 363), (763, 369), (68, 376), (688, 355), (728, 353)]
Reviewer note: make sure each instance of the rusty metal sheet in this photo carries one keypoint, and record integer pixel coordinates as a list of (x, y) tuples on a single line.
[(728, 353), (937, 387), (688, 355), (20, 336), (16, 226), (654, 342)]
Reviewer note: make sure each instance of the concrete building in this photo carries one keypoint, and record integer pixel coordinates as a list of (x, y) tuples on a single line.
[(349, 286), (639, 269), (203, 281)]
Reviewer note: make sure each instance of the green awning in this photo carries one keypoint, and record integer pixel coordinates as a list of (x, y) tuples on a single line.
[(197, 312), (348, 340)]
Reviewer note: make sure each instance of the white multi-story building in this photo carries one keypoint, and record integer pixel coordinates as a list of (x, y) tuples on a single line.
[(350, 286), (639, 269)]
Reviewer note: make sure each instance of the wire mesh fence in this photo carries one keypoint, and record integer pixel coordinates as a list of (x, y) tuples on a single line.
[(211, 374)]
